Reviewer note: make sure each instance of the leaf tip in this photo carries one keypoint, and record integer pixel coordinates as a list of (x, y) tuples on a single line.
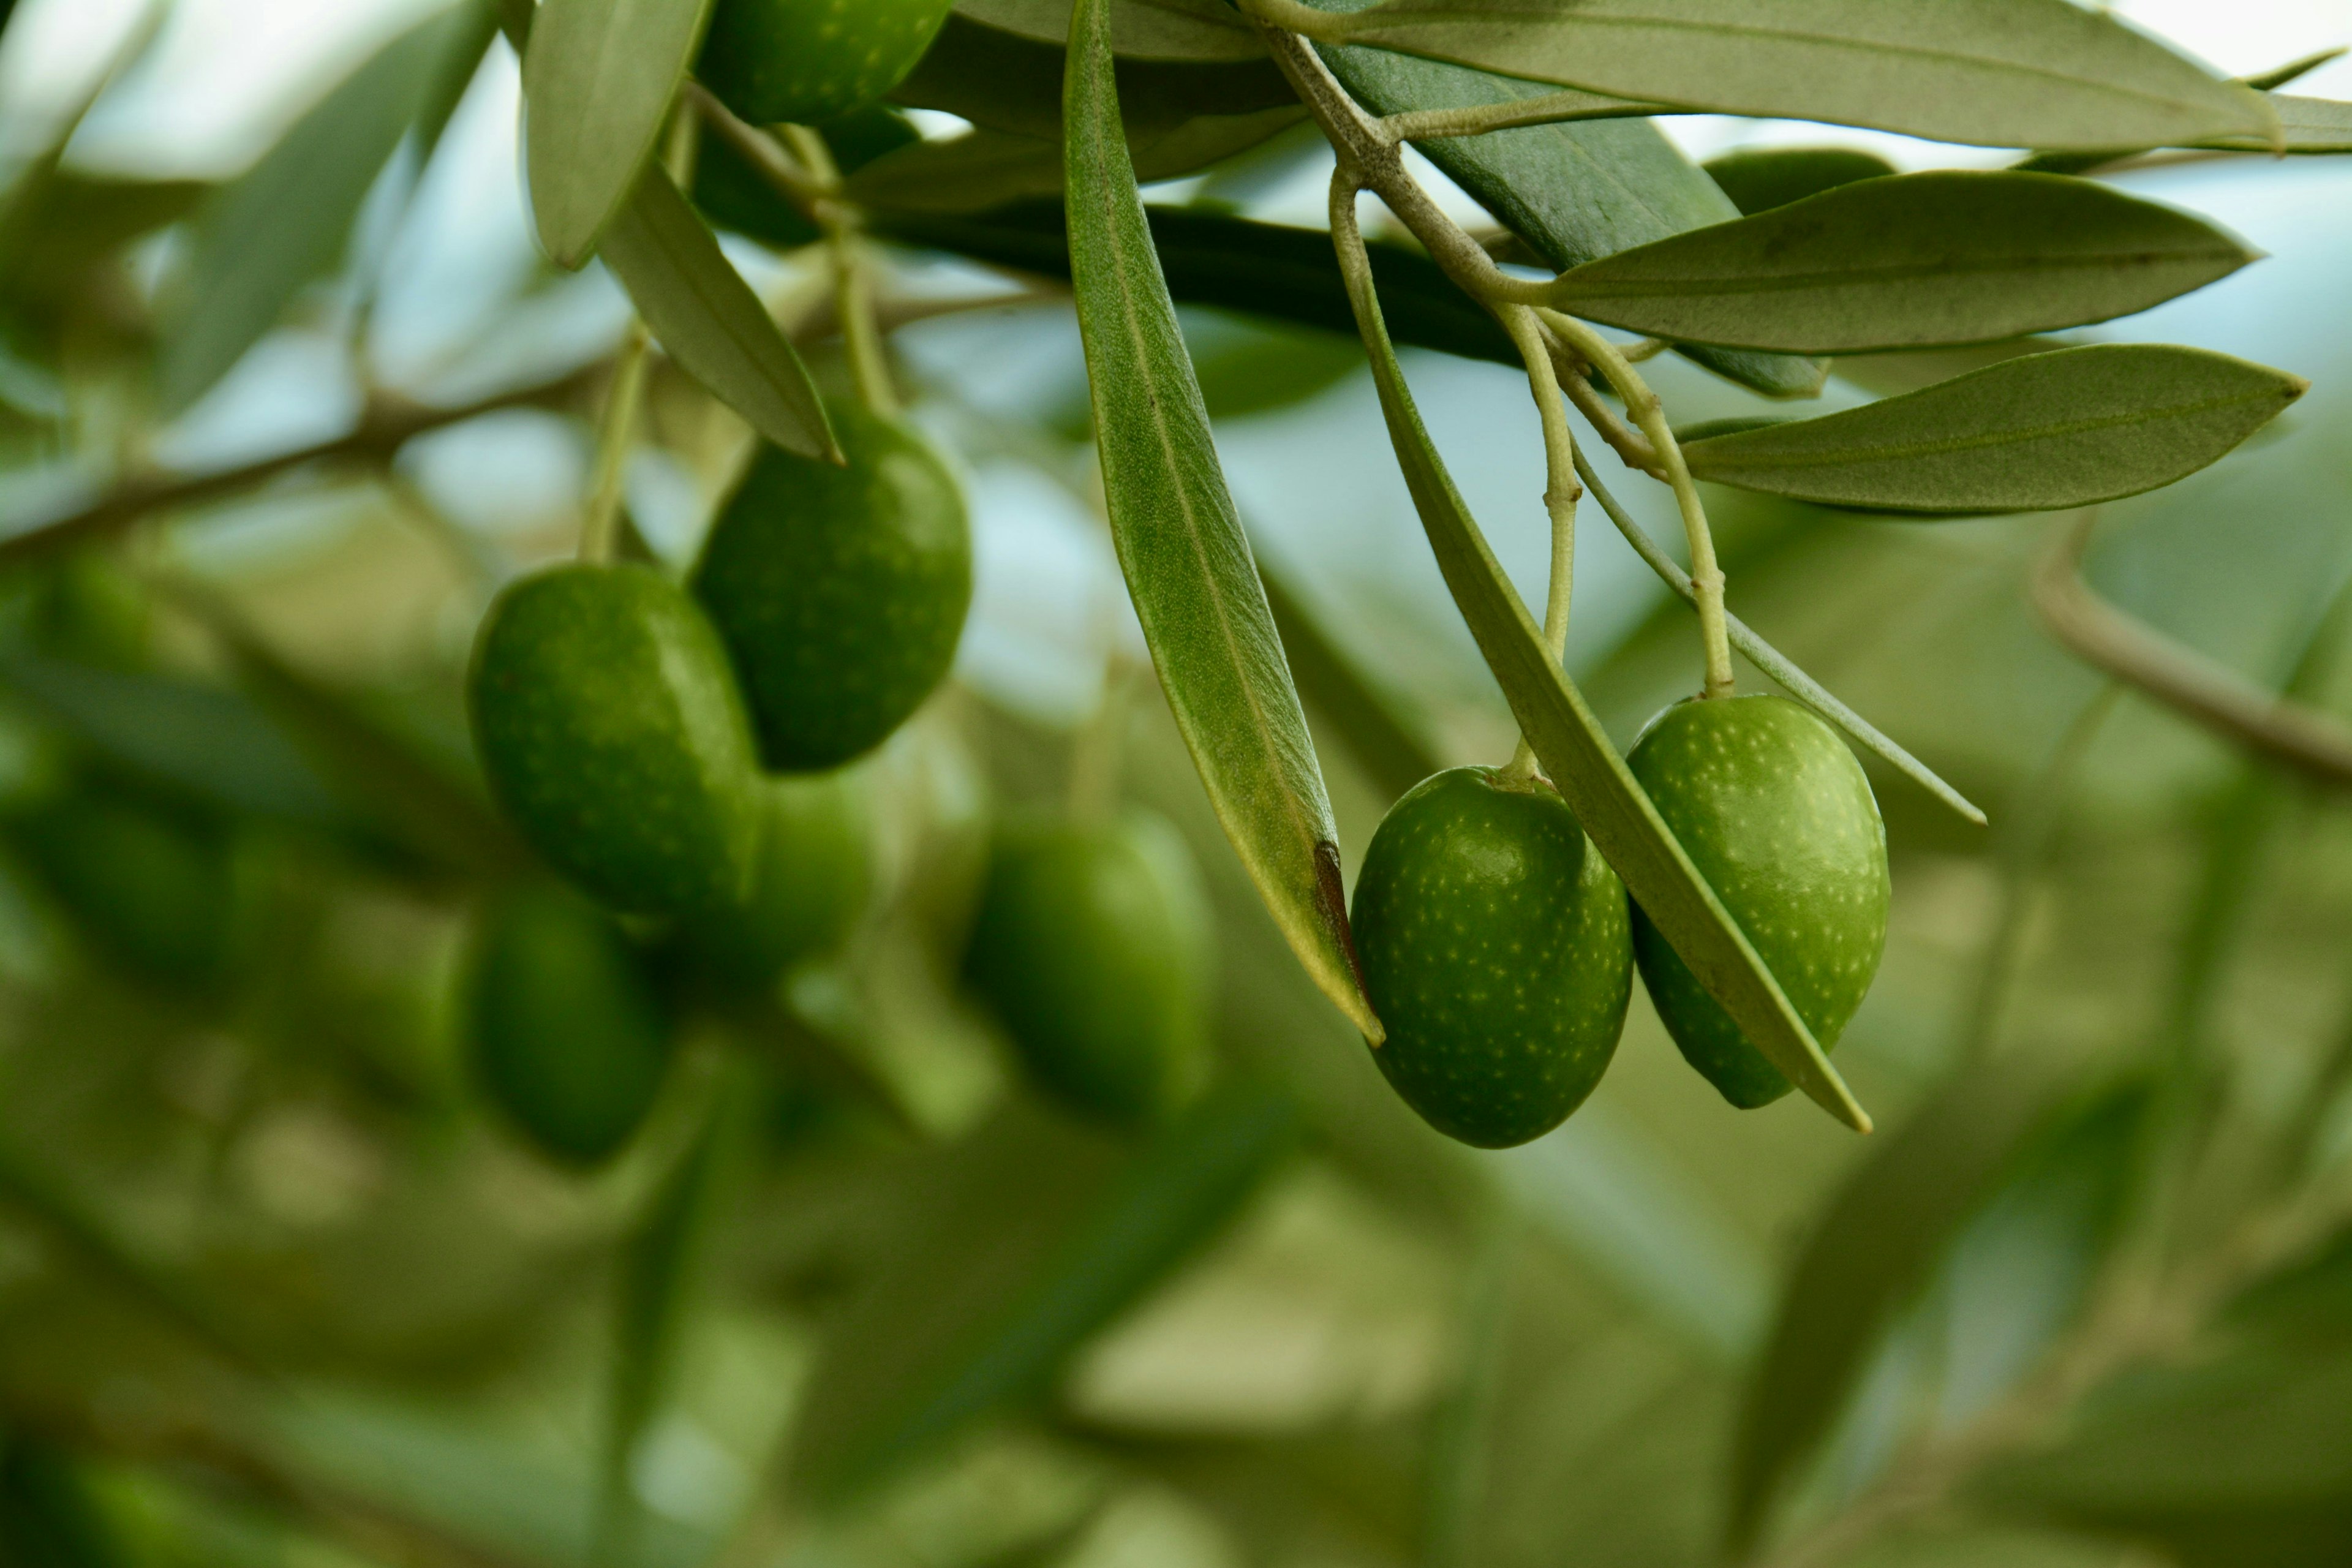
[(1331, 900)]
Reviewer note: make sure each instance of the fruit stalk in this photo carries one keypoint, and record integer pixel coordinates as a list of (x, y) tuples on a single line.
[(600, 528), (1562, 493), (852, 279)]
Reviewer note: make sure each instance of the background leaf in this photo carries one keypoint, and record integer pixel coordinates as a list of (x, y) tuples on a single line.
[(1914, 260), (1994, 73), (1152, 29), (1580, 760), (2038, 432), (1759, 178), (1187, 564), (599, 76)]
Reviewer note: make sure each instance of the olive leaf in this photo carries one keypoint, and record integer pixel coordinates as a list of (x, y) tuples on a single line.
[(1573, 191), (1035, 1233), (1994, 73), (2305, 125), (1909, 261), (1582, 764), (983, 169), (1758, 179), (1187, 563), (284, 222), (2038, 432), (708, 320), (598, 78), (1875, 1244), (1151, 29)]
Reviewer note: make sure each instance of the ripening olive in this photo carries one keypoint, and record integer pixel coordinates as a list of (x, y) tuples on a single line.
[(806, 60), (1778, 818), (840, 589), (610, 728), (568, 1038), (1092, 945), (1494, 945), (815, 872)]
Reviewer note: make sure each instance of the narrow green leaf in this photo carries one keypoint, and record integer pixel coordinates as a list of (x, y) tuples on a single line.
[(1758, 179), (1034, 1233), (1188, 565), (284, 222), (1994, 73), (983, 169), (1577, 754), (1209, 258), (599, 76), (1573, 191), (1149, 29), (1873, 1245), (2305, 125), (2040, 432), (1909, 261), (708, 320)]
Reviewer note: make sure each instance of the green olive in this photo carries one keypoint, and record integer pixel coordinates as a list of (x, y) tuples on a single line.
[(610, 728), (150, 888), (1494, 945), (840, 590), (1092, 945), (815, 872), (568, 1038), (1777, 815), (807, 60)]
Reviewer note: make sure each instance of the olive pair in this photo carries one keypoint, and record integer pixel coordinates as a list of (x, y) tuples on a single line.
[(1497, 948)]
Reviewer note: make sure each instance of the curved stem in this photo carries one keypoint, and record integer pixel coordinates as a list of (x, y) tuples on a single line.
[(1551, 109), (600, 528), (1650, 413), (2305, 739), (853, 278), (1562, 493)]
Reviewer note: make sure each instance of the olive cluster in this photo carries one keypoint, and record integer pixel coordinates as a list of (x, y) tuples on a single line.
[(1498, 948)]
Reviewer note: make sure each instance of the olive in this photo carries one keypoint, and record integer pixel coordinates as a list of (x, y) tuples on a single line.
[(840, 589), (1494, 944), (568, 1038), (814, 874), (611, 730), (150, 888), (1778, 816), (806, 60), (1092, 946)]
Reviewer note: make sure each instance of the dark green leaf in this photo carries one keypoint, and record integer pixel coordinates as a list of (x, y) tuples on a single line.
[(49, 1516), (1209, 258), (1995, 73), (284, 222), (1589, 774), (708, 320), (1875, 1246), (1909, 261), (1574, 192), (1151, 29), (2044, 431), (1761, 178), (983, 169), (1187, 564), (599, 76), (1035, 1235)]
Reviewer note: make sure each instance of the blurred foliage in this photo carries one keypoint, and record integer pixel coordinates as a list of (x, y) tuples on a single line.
[(285, 1282)]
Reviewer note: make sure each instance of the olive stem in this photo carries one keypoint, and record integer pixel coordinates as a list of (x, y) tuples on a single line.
[(1650, 413), (760, 150), (1551, 109), (853, 278), (600, 527), (1562, 493)]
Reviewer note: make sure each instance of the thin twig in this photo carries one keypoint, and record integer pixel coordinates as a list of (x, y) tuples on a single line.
[(1562, 493), (795, 183), (2312, 743), (600, 529), (1551, 109)]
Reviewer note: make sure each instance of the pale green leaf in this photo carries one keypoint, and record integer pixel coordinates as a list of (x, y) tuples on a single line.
[(598, 78), (708, 320), (1573, 191), (1585, 766), (1909, 261), (1995, 73), (2305, 125), (2039, 432), (285, 221), (1188, 565)]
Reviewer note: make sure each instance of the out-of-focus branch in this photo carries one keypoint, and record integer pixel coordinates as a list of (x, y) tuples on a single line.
[(2312, 743)]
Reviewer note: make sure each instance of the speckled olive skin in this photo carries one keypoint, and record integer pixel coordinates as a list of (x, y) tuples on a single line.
[(568, 1040), (815, 876), (1778, 818), (609, 726), (1092, 946), (840, 591), (807, 60), (1494, 948)]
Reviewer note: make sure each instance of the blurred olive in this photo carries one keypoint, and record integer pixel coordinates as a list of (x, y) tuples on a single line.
[(1092, 944), (812, 877), (568, 1038), (90, 609), (150, 888)]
